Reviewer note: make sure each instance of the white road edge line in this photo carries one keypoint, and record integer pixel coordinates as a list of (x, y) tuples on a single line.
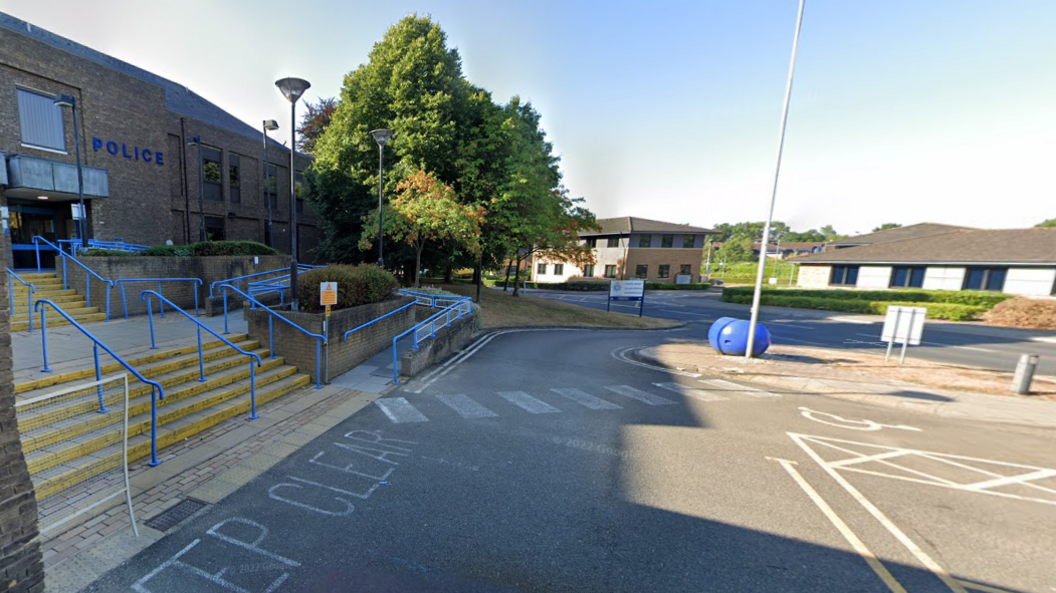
[(877, 514), (621, 355), (845, 530)]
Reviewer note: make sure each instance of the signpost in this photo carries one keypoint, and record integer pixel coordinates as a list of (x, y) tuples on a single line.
[(327, 295), (904, 325), (683, 279), (627, 290)]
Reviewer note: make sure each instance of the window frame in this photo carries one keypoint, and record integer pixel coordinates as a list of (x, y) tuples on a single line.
[(987, 275), (234, 178), (613, 241), (667, 241), (909, 280), (212, 191), (60, 118), (559, 269), (688, 270), (591, 242), (844, 273), (610, 271), (688, 241), (540, 269), (641, 271), (645, 240), (222, 226), (588, 271), (663, 271)]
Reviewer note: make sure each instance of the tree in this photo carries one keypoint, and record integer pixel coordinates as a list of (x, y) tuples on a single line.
[(1050, 223), (314, 122), (736, 249), (830, 233), (887, 225), (425, 210)]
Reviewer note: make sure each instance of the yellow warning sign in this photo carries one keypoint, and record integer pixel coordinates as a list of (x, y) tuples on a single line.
[(328, 293)]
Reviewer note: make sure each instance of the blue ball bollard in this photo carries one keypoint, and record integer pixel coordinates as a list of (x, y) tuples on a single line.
[(733, 338), (716, 327)]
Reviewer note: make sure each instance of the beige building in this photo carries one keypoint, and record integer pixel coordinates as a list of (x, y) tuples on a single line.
[(626, 248)]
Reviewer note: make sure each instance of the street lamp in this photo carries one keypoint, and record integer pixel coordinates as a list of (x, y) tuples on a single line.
[(292, 89), (381, 136), (197, 141), (270, 125), (82, 226)]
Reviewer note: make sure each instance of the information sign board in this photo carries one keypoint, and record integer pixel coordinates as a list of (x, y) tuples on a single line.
[(626, 290), (328, 293), (904, 325)]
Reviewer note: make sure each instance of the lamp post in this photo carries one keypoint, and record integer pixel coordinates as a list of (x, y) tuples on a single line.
[(197, 141), (270, 125), (292, 89), (381, 136), (82, 225)]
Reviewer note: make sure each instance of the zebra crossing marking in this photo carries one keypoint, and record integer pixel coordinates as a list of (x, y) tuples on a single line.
[(585, 399), (528, 403), (399, 410), (466, 407), (700, 394), (752, 391), (637, 394)]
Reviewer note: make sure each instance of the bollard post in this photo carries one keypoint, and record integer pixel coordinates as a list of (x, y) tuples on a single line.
[(1024, 373)]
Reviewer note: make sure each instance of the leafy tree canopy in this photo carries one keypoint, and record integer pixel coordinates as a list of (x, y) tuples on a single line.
[(1046, 223), (887, 225), (313, 123)]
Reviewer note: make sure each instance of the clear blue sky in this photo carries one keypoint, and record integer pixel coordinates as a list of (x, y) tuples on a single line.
[(903, 110)]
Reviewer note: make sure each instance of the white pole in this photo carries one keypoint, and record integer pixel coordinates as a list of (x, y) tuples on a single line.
[(773, 195)]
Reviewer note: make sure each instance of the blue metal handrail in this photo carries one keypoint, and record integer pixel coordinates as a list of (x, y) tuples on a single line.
[(154, 395), (238, 279), (344, 338), (320, 339), (443, 300), (37, 240), (145, 297), (11, 276), (116, 245), (431, 323), (124, 303)]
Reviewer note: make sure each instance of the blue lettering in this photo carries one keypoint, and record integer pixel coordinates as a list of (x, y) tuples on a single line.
[(97, 144), (157, 158), (124, 152), (111, 147), (137, 153), (146, 155)]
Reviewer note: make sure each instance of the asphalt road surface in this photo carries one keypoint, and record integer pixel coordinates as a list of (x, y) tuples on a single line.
[(967, 344), (541, 461)]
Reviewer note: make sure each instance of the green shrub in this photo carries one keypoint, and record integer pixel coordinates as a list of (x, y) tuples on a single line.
[(168, 250), (356, 285), (958, 297), (673, 286), (96, 252), (949, 311), (210, 248)]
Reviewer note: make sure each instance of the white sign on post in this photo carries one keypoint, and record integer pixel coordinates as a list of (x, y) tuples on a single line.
[(627, 289), (77, 211), (683, 279), (903, 325)]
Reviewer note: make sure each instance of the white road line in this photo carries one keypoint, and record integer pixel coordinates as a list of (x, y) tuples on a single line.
[(528, 403), (1046, 339), (621, 355), (849, 535), (466, 407), (637, 394), (874, 336), (585, 399), (399, 410), (972, 349), (851, 320), (788, 339), (795, 325), (752, 391), (877, 514), (700, 394)]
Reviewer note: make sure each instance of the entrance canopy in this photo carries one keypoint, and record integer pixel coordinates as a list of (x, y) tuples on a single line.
[(32, 178)]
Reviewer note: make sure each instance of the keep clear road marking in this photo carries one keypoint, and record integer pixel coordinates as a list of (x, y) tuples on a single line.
[(752, 391), (399, 410), (859, 546), (700, 394), (466, 407), (637, 394), (527, 403), (585, 399)]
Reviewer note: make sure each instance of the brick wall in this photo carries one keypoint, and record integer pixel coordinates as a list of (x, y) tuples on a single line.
[(673, 257), (447, 341), (300, 350), (208, 269), (21, 566)]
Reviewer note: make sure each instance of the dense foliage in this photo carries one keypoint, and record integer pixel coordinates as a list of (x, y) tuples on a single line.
[(941, 304), (210, 248), (356, 285)]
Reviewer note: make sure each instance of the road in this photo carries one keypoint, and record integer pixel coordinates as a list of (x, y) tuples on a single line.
[(967, 344), (541, 462)]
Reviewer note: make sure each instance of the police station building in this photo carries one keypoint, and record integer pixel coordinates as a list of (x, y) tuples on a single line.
[(140, 164)]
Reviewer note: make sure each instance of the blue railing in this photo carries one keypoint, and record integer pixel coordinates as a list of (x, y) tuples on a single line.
[(145, 297), (320, 340), (11, 277), (37, 240), (451, 313), (74, 245), (237, 281), (156, 390), (124, 303), (433, 300), (344, 338)]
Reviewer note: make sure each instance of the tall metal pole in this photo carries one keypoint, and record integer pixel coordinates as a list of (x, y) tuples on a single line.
[(381, 203), (773, 195), (293, 207), (83, 226), (267, 182)]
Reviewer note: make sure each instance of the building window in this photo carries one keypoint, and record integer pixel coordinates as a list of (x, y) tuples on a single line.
[(667, 241), (214, 228), (985, 279), (684, 270), (540, 269), (844, 275), (641, 271), (234, 179), (663, 271), (559, 269), (591, 242), (41, 121), (272, 189), (588, 271), (212, 180), (688, 241), (645, 240), (907, 277), (614, 241), (610, 271)]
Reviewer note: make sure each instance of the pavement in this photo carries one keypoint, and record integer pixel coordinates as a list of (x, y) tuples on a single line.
[(818, 379)]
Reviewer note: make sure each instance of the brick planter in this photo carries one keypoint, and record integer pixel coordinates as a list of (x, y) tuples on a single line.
[(448, 340), (338, 357)]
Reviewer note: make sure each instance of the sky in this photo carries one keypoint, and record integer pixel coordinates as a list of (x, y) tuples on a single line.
[(902, 111)]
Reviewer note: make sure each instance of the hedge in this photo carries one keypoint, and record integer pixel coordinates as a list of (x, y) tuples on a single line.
[(210, 248), (598, 285), (958, 297), (97, 252), (949, 311), (356, 285)]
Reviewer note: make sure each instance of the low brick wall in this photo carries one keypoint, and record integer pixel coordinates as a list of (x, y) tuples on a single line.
[(448, 340), (340, 357), (208, 269)]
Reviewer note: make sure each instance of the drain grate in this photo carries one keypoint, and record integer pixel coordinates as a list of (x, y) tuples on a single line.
[(173, 516)]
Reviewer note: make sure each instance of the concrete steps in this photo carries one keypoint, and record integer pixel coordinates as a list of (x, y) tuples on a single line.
[(49, 286)]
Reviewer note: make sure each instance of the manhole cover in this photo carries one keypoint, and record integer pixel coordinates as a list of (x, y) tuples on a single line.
[(173, 516)]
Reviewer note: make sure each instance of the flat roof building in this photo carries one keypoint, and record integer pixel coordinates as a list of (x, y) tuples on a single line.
[(141, 180)]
